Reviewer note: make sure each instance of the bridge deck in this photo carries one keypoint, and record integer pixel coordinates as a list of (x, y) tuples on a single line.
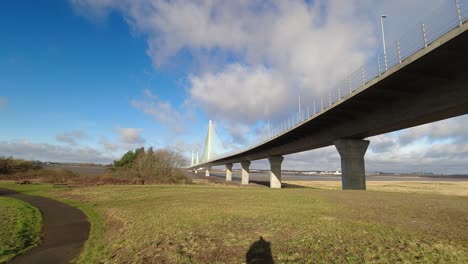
[(428, 86)]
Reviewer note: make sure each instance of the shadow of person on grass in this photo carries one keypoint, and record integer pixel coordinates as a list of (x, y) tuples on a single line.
[(259, 253)]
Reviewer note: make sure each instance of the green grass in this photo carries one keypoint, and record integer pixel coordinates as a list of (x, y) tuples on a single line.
[(20, 228), (210, 224)]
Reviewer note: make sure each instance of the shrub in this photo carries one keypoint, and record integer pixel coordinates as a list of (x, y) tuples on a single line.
[(10, 165), (129, 158), (160, 166)]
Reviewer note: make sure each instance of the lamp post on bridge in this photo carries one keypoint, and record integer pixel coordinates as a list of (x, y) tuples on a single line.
[(383, 41)]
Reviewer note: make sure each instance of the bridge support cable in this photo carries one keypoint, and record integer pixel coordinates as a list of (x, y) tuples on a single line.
[(229, 172), (245, 164), (275, 171), (353, 172)]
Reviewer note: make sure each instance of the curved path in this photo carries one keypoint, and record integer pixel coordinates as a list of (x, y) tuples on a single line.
[(65, 230)]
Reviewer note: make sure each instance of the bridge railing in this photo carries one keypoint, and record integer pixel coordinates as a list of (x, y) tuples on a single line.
[(451, 14)]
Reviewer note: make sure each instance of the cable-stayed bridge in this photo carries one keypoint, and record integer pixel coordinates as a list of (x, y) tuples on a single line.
[(422, 77)]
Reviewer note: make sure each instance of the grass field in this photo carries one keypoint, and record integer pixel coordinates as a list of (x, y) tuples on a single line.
[(20, 228), (213, 224)]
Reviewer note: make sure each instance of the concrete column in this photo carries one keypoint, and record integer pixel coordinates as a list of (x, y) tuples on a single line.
[(245, 171), (207, 171), (275, 171), (353, 171), (196, 170), (229, 172)]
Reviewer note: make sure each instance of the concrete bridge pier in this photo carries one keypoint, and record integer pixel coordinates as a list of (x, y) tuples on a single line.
[(353, 171), (207, 171), (229, 172), (245, 171), (275, 171)]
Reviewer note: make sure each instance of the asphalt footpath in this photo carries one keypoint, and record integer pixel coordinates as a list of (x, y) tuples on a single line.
[(65, 229)]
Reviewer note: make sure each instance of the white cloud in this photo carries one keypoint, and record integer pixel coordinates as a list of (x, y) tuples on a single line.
[(108, 145), (71, 137), (436, 147), (130, 136), (184, 148), (455, 129), (319, 159), (3, 102), (240, 93), (48, 152), (161, 111), (238, 132), (281, 47)]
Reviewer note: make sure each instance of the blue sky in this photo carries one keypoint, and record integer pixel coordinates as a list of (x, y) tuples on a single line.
[(62, 73), (86, 80)]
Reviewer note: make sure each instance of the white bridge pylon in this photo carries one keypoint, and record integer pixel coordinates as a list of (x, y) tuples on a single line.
[(213, 145)]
